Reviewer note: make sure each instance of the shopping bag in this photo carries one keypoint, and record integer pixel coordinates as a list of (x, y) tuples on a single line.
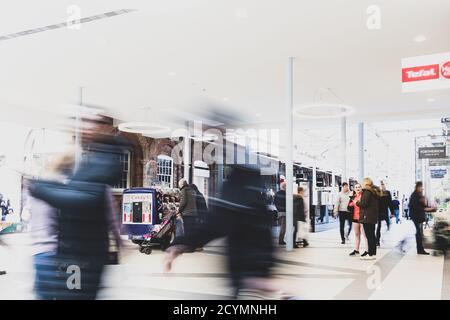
[(303, 230)]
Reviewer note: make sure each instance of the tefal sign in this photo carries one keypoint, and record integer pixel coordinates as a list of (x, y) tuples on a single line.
[(423, 73)]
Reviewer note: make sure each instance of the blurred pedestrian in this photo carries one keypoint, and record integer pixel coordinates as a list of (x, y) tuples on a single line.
[(405, 205), (301, 215), (239, 215), (2, 272), (86, 217), (396, 207), (341, 210), (44, 229), (385, 206), (200, 202), (280, 203), (188, 207), (417, 209)]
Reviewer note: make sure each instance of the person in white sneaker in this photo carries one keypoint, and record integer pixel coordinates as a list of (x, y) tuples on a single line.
[(369, 210)]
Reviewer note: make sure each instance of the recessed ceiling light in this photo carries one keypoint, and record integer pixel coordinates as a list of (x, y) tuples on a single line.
[(225, 99), (420, 38), (143, 128), (171, 74), (431, 99), (241, 13)]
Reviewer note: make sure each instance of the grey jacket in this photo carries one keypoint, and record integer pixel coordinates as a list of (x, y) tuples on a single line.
[(188, 206), (342, 201)]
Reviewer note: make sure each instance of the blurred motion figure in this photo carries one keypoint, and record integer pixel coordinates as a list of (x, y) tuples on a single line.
[(240, 216), (77, 217)]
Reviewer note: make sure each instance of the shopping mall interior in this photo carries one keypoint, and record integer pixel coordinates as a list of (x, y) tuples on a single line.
[(318, 94)]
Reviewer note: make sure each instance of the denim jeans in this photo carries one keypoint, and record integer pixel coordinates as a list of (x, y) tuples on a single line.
[(54, 273), (397, 215)]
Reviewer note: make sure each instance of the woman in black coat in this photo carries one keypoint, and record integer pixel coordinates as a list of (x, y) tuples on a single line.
[(369, 210)]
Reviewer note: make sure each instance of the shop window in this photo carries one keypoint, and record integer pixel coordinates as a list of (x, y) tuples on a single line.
[(124, 182), (165, 171)]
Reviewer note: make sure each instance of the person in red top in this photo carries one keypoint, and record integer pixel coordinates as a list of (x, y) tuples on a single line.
[(357, 227)]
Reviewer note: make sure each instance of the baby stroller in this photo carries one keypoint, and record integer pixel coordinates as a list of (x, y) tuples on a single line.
[(441, 232), (161, 235)]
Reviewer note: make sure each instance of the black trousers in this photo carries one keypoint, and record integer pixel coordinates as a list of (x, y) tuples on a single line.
[(369, 230), (419, 235), (388, 223), (295, 231), (190, 225), (345, 216)]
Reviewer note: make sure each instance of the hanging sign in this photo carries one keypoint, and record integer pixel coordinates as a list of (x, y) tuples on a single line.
[(424, 73), (432, 153)]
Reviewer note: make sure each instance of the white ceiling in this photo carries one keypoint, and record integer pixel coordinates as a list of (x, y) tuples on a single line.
[(181, 54)]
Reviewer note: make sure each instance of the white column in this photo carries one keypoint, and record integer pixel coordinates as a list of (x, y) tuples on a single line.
[(289, 156), (344, 148), (314, 183), (187, 153), (361, 151)]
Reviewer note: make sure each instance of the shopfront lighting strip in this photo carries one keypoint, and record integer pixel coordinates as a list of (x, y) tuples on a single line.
[(65, 24)]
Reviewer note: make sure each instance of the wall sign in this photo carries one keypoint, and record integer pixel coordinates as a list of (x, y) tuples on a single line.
[(438, 173), (432, 153), (424, 73), (439, 163)]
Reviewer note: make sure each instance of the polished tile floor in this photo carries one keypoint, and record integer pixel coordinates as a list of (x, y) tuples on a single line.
[(322, 271)]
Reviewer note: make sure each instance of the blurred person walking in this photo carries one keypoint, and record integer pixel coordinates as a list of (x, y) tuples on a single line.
[(385, 206), (301, 217), (358, 228), (44, 231), (188, 207), (2, 272), (417, 211), (396, 208), (86, 218), (280, 204), (405, 205), (200, 203), (241, 216), (341, 210), (369, 211)]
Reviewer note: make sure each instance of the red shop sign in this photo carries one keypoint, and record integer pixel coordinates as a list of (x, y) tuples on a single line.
[(420, 73)]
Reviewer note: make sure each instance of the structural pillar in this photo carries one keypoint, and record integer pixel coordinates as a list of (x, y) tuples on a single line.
[(361, 151), (344, 148), (187, 154), (290, 156)]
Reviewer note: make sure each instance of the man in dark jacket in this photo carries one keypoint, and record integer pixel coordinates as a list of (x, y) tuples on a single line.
[(417, 209), (369, 211), (385, 206), (200, 202), (188, 207), (299, 214)]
